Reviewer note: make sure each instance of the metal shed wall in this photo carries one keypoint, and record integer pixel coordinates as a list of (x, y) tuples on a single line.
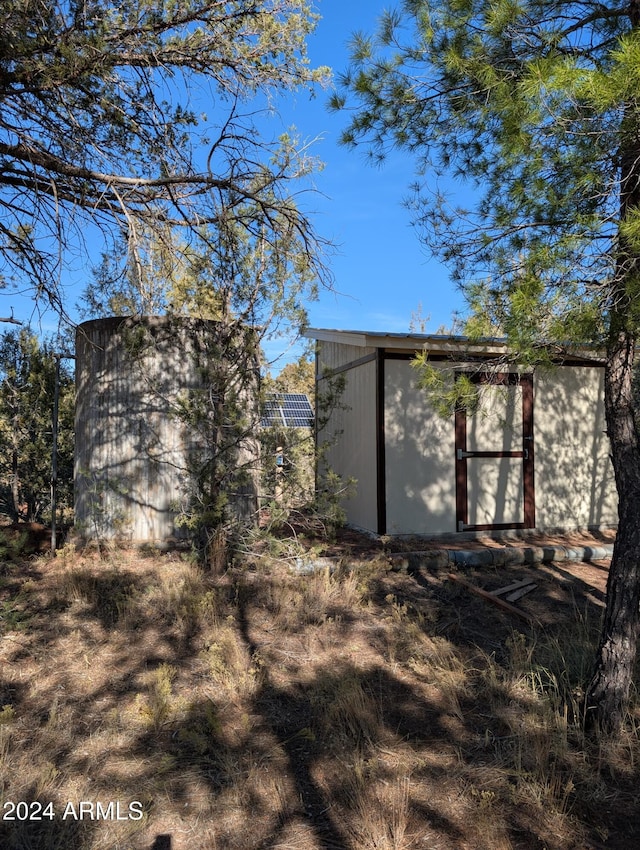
[(350, 435), (335, 356), (404, 456), (419, 458), (575, 486), (135, 455)]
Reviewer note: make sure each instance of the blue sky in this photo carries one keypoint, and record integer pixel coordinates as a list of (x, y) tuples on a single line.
[(381, 270), (382, 273)]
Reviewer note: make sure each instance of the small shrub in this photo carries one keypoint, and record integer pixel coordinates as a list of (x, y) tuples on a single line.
[(7, 715), (13, 617), (200, 733), (156, 707), (14, 547), (229, 664)]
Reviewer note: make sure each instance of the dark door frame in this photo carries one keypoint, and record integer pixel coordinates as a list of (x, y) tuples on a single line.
[(524, 380)]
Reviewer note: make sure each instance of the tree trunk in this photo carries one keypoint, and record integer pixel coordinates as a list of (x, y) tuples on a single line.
[(608, 691), (15, 486), (607, 695)]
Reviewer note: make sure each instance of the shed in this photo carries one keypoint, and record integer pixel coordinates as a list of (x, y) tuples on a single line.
[(533, 454)]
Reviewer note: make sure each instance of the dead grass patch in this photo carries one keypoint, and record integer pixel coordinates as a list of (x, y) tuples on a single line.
[(351, 708)]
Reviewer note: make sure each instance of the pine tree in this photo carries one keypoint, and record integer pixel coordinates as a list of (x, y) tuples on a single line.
[(27, 371), (533, 106), (127, 119)]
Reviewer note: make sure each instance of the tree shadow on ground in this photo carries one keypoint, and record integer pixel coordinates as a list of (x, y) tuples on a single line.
[(340, 732), (53, 833)]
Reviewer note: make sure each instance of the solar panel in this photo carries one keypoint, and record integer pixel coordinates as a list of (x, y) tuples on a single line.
[(288, 410)]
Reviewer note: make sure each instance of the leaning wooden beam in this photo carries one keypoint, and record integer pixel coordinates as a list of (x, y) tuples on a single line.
[(484, 594)]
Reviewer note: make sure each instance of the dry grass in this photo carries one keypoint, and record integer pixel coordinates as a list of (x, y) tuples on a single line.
[(261, 709)]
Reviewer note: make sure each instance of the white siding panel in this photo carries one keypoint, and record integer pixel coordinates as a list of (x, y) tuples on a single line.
[(420, 458), (495, 490), (495, 485), (574, 477), (497, 423)]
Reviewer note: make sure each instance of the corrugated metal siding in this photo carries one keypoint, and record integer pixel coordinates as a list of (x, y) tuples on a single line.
[(333, 355), (133, 451), (351, 435)]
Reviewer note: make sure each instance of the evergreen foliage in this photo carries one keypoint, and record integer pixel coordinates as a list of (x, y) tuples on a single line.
[(532, 106), (105, 122), (253, 279), (143, 129), (525, 108), (27, 370), (297, 376), (289, 453)]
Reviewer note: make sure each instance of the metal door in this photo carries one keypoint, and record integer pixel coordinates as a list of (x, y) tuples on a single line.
[(495, 455)]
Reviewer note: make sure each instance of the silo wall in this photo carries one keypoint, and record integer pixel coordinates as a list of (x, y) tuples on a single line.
[(163, 406)]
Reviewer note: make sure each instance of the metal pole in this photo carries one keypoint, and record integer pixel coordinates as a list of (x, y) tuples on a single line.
[(54, 456)]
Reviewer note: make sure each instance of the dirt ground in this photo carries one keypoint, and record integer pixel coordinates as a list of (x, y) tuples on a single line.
[(375, 708)]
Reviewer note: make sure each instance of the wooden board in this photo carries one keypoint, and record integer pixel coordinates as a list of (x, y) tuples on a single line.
[(518, 594), (509, 587), (495, 600)]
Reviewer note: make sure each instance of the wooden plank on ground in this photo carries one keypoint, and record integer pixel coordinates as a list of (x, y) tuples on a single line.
[(495, 600), (509, 587), (518, 594)]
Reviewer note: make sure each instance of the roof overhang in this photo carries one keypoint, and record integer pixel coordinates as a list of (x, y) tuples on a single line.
[(440, 344)]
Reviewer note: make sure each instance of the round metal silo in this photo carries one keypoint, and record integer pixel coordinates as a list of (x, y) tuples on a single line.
[(160, 402)]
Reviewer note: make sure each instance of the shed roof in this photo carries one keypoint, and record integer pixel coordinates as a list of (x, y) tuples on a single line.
[(444, 344)]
